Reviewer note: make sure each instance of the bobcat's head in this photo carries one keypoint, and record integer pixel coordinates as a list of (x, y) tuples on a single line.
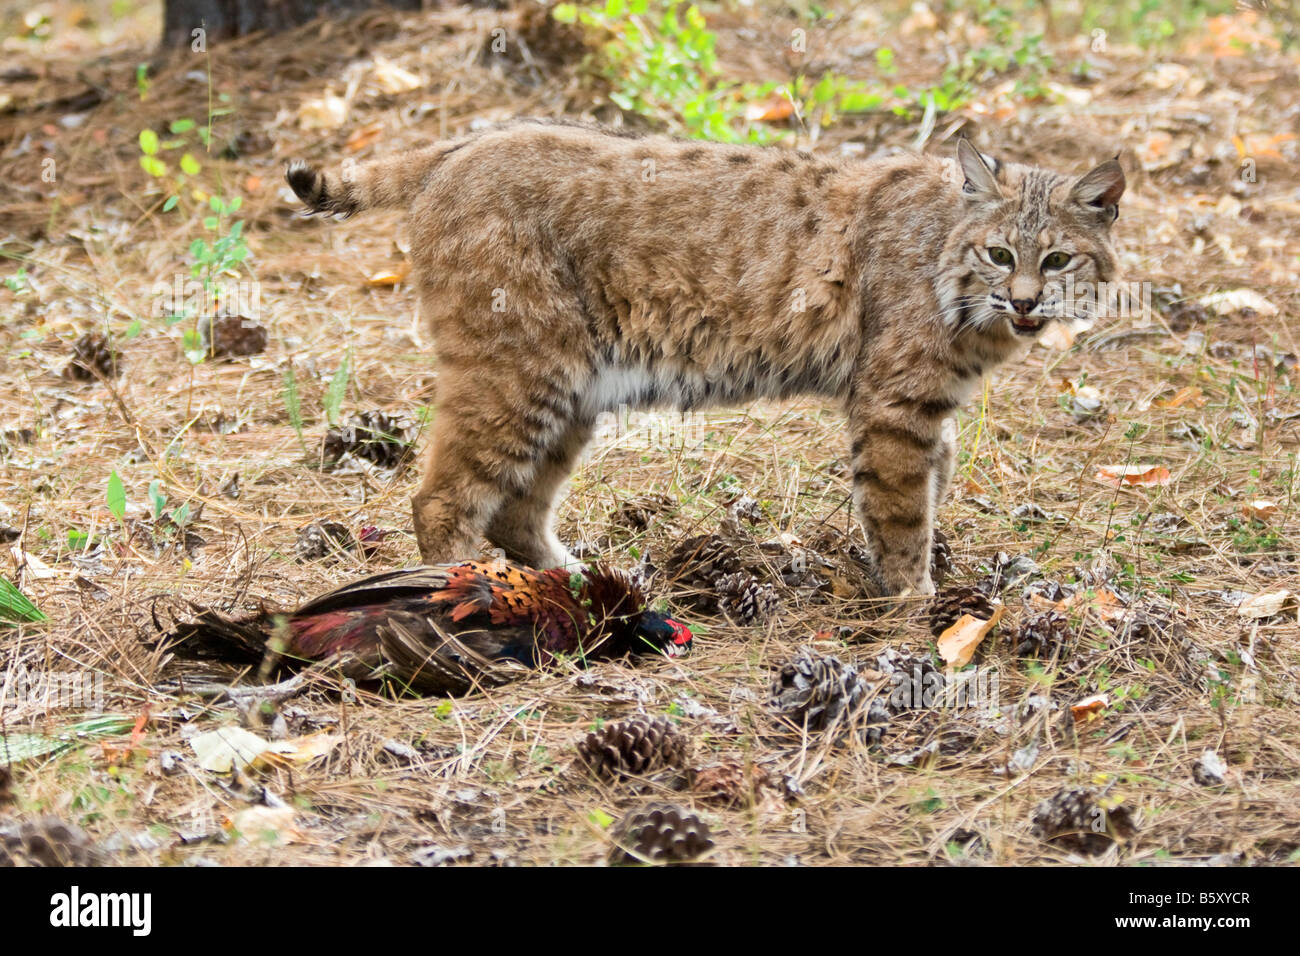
[(1033, 247)]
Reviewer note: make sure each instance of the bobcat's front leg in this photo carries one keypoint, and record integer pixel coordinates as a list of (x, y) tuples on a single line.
[(897, 465)]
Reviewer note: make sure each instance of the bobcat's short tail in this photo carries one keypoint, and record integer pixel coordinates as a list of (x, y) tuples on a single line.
[(389, 182)]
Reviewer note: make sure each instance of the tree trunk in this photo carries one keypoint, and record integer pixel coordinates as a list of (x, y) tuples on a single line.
[(221, 19)]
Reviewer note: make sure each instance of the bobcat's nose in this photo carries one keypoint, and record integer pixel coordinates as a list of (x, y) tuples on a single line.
[(1024, 306)]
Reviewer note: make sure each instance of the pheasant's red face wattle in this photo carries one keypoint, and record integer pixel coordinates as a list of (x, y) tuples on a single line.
[(682, 638)]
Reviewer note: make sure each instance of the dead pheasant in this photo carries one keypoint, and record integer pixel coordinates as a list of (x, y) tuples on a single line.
[(449, 628)]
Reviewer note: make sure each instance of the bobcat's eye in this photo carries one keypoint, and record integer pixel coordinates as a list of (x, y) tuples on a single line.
[(1056, 260), (1000, 256)]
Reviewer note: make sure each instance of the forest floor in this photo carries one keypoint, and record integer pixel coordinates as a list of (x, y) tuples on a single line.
[(1168, 582)]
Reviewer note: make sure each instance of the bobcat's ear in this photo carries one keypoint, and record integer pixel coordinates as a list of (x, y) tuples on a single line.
[(1099, 190), (981, 183)]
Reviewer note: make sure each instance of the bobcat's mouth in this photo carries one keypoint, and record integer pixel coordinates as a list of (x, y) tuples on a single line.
[(1027, 324)]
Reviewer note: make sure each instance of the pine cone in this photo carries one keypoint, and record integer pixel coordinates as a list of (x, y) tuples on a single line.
[(636, 747), (821, 692), (940, 558), (1078, 819), (325, 539), (743, 599), (730, 783), (661, 834), (228, 336), (639, 511), (701, 560), (1043, 635), (46, 841), (743, 513), (950, 604), (385, 440), (912, 677), (92, 357)]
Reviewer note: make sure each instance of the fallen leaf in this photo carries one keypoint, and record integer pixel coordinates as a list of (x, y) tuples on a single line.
[(268, 824), (34, 567), (1226, 303), (1058, 336), (367, 135), (326, 112), (1267, 604), (920, 20), (1187, 395), (957, 644), (220, 750), (1104, 601), (1261, 509), (392, 78), (773, 109), (1133, 475), (1087, 401), (389, 277), (299, 751), (1090, 707)]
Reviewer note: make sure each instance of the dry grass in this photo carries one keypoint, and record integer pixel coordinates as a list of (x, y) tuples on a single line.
[(496, 773)]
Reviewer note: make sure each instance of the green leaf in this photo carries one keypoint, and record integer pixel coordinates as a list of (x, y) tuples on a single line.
[(211, 222), (565, 12), (860, 102), (600, 818), (192, 346), (15, 608), (234, 204), (189, 165), (170, 204), (215, 203), (148, 142), (116, 496), (157, 498), (181, 125), (154, 166)]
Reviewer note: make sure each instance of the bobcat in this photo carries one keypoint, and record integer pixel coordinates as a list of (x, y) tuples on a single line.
[(565, 270)]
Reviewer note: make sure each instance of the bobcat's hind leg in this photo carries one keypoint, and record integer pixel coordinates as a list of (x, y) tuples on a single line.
[(482, 453), (454, 501)]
